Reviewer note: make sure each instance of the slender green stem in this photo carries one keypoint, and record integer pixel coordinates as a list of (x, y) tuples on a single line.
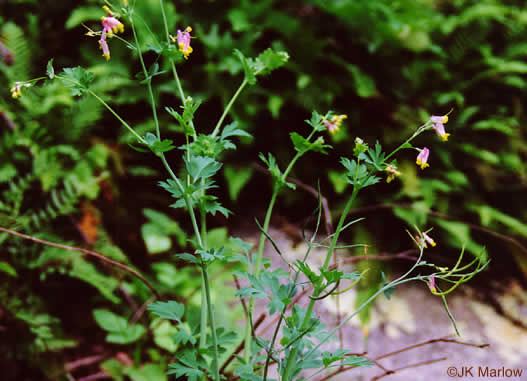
[(228, 108), (118, 117), (149, 80), (187, 201), (173, 66), (422, 128), (292, 355), (263, 237), (204, 300), (216, 362), (256, 270), (258, 264), (203, 313), (108, 108)]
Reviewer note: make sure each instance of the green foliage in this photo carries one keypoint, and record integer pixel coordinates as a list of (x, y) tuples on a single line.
[(168, 310), (156, 233), (237, 178), (119, 331), (77, 79), (263, 64)]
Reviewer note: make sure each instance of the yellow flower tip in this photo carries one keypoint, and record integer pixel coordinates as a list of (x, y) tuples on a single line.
[(433, 243), (421, 164), (445, 137), (107, 56), (186, 52), (433, 289), (172, 38), (445, 119), (337, 119), (125, 3), (189, 29), (16, 91), (333, 131), (106, 9)]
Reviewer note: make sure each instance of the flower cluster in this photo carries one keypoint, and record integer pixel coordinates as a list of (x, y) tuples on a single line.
[(439, 127), (183, 41), (392, 172), (16, 91), (333, 125), (110, 26), (439, 122), (423, 239)]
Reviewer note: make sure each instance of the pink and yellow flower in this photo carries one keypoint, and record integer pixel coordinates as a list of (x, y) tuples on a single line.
[(392, 172), (333, 125), (16, 91), (439, 122), (428, 239), (423, 239), (183, 41), (432, 283), (422, 158), (110, 26)]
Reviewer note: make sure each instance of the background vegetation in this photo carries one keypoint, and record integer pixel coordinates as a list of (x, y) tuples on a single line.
[(67, 173)]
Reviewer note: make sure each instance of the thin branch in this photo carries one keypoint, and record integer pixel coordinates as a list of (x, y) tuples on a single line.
[(141, 310), (383, 256), (390, 372), (129, 298), (444, 339), (100, 257), (72, 365)]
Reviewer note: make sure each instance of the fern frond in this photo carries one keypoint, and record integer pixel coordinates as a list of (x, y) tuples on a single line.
[(61, 203), (12, 198), (16, 41), (83, 116)]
